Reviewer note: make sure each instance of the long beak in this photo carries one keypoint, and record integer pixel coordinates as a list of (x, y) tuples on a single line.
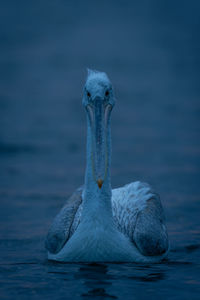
[(99, 116)]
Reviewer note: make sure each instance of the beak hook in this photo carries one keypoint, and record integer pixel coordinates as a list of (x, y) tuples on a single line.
[(100, 183)]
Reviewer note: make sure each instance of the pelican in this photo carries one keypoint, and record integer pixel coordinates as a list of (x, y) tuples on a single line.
[(98, 224)]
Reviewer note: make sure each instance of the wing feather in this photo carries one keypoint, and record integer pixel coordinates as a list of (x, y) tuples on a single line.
[(61, 228), (138, 213)]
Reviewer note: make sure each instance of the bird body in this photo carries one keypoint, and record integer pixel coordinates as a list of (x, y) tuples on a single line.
[(99, 224)]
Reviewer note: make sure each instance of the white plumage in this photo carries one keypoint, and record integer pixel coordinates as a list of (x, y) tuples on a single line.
[(96, 224), (128, 202)]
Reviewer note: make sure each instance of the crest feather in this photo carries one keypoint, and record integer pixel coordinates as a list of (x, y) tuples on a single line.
[(93, 73)]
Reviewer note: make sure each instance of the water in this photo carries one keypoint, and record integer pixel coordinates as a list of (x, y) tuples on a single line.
[(150, 50)]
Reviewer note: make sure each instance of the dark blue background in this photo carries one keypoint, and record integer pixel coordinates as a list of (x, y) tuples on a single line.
[(150, 50)]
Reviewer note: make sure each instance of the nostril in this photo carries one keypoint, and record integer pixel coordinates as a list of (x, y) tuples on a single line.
[(88, 94)]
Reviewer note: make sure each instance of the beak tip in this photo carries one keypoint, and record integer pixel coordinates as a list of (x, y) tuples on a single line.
[(100, 183)]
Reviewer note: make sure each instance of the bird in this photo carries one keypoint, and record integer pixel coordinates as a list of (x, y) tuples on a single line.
[(98, 224)]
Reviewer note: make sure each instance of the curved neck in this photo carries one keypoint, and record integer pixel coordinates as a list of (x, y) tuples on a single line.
[(95, 200)]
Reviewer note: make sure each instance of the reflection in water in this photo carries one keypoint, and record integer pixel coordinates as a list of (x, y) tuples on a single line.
[(157, 276), (142, 273), (96, 280), (100, 292)]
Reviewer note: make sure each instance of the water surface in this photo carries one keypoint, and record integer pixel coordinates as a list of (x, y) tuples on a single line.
[(151, 53)]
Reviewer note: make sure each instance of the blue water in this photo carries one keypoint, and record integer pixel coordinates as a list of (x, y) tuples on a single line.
[(150, 50)]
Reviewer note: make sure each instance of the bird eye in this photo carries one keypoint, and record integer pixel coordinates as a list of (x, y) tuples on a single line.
[(107, 93), (88, 94)]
